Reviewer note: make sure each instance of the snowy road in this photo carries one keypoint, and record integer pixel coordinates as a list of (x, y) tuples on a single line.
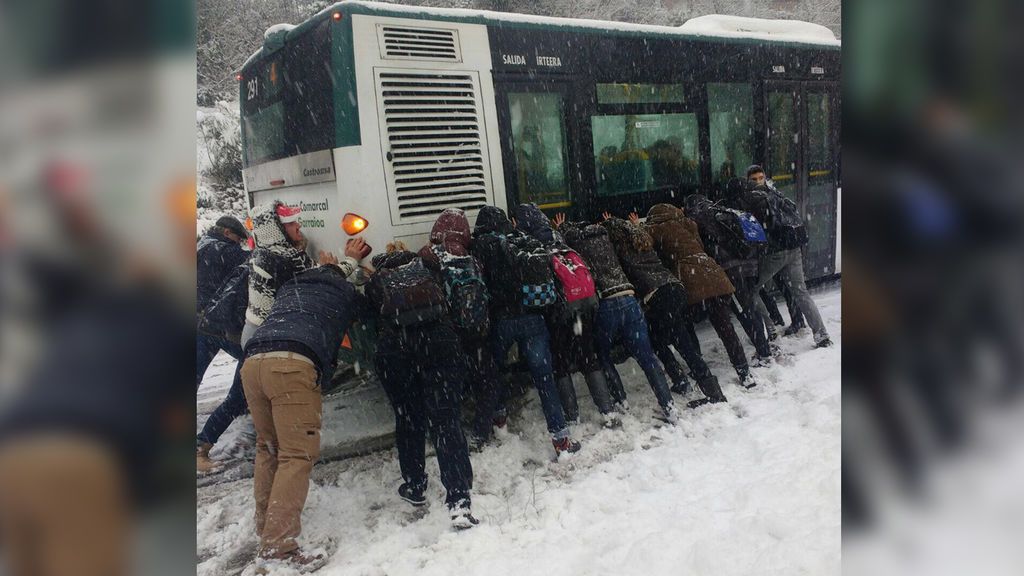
[(748, 487)]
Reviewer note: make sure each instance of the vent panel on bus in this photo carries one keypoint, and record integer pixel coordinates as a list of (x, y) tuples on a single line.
[(432, 134), (406, 43)]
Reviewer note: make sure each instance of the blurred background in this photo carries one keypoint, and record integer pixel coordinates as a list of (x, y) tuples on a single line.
[(933, 287), (97, 287)]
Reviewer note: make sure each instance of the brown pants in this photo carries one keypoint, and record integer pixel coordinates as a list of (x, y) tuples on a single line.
[(285, 403), (64, 508)]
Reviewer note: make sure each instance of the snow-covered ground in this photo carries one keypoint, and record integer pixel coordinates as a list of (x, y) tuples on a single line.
[(748, 487)]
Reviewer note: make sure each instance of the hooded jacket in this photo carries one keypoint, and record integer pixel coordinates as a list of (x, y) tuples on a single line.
[(274, 261), (677, 241), (310, 316), (593, 244), (216, 258), (450, 234), (535, 223), (635, 250), (501, 248)]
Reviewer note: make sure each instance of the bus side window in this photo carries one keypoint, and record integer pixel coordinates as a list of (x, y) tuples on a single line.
[(538, 141)]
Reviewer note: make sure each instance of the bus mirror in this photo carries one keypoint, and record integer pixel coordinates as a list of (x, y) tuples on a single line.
[(353, 224)]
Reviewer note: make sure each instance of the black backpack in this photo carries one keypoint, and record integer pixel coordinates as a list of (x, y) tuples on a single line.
[(785, 225), (408, 294), (466, 292), (536, 277)]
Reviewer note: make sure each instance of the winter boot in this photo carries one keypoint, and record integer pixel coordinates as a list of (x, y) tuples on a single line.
[(204, 465), (681, 385), (567, 394), (461, 515), (671, 414), (794, 328), (413, 493), (566, 445), (295, 560), (747, 380), (825, 342), (712, 392)]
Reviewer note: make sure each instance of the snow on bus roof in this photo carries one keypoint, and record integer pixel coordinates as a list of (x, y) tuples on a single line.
[(283, 27), (711, 26)]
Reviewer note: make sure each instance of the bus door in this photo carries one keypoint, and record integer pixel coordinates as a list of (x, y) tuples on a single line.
[(537, 135), (802, 123)]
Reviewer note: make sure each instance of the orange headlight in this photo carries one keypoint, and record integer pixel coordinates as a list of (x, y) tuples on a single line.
[(248, 223), (353, 224)]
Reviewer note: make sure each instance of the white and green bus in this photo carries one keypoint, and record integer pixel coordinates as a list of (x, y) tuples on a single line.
[(376, 117)]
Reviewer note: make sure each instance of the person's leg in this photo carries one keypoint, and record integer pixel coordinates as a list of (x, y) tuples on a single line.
[(485, 382), (232, 407), (635, 338), (718, 314), (396, 369), (562, 352), (296, 408), (793, 275), (206, 349), (752, 322), (661, 342), (442, 384), (796, 318), (266, 438), (606, 326), (534, 341), (588, 363), (771, 308)]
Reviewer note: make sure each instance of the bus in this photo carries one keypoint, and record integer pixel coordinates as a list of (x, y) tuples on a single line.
[(374, 118)]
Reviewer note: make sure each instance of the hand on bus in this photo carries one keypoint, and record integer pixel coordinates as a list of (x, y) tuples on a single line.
[(634, 218), (357, 248), (559, 219), (606, 215), (326, 258)]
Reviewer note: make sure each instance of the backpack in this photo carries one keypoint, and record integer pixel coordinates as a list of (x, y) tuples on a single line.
[(785, 225), (740, 233), (409, 294), (466, 293), (574, 280), (225, 316), (536, 279)]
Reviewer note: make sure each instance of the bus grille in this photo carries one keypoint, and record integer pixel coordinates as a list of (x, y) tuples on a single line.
[(432, 126), (402, 43)]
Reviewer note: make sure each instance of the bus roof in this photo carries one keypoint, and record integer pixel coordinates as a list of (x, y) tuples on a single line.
[(715, 27)]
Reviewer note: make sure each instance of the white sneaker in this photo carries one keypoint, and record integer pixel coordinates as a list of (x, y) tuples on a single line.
[(671, 414)]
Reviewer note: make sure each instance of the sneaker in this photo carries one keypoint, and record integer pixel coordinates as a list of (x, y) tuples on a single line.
[(413, 494), (702, 401), (681, 387), (671, 414), (621, 406), (294, 560), (748, 381), (461, 515), (793, 329), (204, 465), (758, 361), (611, 421), (566, 445), (772, 334), (825, 342)]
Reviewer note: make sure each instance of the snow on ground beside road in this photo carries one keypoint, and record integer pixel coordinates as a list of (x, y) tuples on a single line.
[(748, 487)]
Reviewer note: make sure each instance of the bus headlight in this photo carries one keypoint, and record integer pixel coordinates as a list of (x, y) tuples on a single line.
[(353, 224)]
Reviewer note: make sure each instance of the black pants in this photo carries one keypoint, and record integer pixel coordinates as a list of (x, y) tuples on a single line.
[(485, 384), (720, 316), (752, 322), (572, 342), (422, 371), (668, 320)]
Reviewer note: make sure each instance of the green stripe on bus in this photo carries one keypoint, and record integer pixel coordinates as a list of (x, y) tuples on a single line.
[(343, 69)]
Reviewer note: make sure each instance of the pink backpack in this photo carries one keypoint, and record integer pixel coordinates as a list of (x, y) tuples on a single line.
[(574, 279)]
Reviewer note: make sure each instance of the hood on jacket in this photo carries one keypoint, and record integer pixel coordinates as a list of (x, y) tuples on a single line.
[(697, 203), (492, 219), (624, 234), (266, 227), (393, 259), (664, 213), (451, 230), (532, 221)]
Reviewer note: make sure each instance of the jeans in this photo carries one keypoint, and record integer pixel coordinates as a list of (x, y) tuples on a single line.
[(788, 264), (670, 324), (421, 368), (531, 334), (622, 318), (234, 404)]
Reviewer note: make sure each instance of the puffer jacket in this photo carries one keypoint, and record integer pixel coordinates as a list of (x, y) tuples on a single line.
[(635, 249), (501, 249), (274, 261), (677, 241), (310, 316), (216, 258), (593, 244)]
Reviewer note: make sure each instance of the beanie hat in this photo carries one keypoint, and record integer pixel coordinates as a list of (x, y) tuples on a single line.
[(288, 214), (232, 224), (754, 169)]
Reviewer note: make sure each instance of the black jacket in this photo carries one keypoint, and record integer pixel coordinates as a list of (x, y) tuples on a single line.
[(593, 244), (310, 316), (501, 249), (635, 249), (216, 258)]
